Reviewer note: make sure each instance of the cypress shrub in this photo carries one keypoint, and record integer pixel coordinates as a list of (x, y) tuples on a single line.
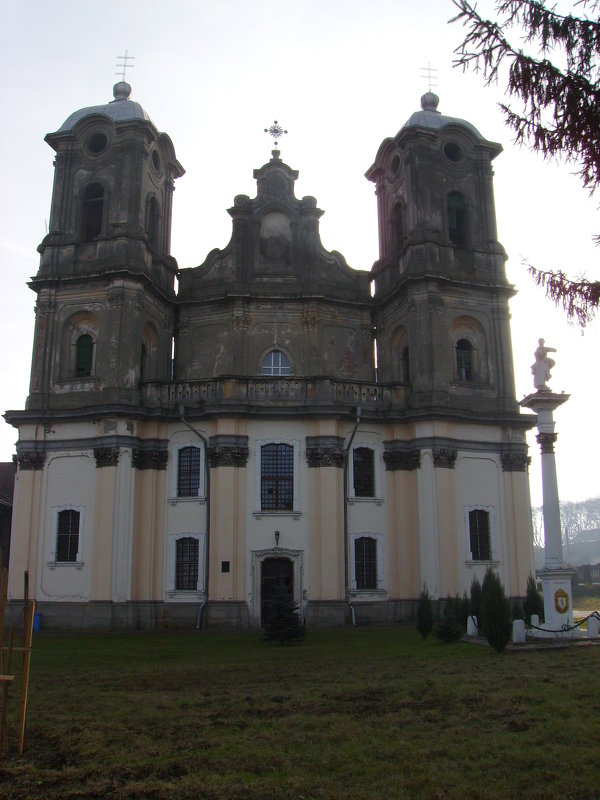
[(450, 629), (534, 602), (424, 614), (496, 612)]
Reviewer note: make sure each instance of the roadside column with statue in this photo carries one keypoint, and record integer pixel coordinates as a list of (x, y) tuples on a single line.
[(556, 575)]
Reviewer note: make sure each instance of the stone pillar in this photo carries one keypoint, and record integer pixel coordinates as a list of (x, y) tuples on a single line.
[(556, 575)]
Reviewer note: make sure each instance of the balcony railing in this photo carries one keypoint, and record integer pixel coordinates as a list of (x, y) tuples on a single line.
[(276, 391)]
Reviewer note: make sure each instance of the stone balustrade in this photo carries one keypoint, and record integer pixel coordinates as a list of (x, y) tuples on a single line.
[(284, 391)]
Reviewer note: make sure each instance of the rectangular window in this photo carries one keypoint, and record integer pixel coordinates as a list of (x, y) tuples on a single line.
[(186, 564), (67, 535), (365, 562), (188, 472), (363, 468), (277, 477), (479, 535)]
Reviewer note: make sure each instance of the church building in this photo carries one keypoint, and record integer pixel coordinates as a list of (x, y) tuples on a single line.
[(195, 439)]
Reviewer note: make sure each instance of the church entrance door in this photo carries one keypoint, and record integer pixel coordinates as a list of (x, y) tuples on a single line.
[(275, 574)]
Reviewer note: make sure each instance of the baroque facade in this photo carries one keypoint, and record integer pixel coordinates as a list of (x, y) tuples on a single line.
[(280, 419)]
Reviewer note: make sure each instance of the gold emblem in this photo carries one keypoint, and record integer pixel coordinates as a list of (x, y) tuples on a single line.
[(561, 601)]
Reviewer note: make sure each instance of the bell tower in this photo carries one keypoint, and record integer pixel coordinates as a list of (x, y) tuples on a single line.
[(105, 286), (440, 286)]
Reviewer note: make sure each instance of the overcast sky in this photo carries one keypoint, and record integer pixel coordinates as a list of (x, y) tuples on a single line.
[(340, 75)]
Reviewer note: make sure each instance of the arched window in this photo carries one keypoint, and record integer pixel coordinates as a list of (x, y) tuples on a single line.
[(187, 549), (188, 472), (464, 360), (276, 363), (92, 212), (153, 224), (457, 219), (363, 471), (365, 563), (405, 365), (67, 535), (84, 356), (479, 535)]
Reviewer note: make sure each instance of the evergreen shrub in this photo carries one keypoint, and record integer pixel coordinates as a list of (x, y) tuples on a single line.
[(451, 629), (495, 612), (534, 602), (283, 624), (424, 614)]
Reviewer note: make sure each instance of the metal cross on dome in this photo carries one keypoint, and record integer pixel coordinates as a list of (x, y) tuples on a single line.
[(125, 65), (276, 131)]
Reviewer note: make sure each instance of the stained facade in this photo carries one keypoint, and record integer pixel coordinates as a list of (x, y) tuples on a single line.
[(281, 419)]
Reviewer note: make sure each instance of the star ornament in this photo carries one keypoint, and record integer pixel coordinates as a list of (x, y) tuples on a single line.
[(276, 131)]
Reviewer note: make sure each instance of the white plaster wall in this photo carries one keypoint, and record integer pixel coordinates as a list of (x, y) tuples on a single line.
[(69, 482), (480, 485)]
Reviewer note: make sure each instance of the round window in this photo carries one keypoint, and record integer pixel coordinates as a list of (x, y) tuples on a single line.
[(156, 160), (97, 143), (395, 165), (453, 152)]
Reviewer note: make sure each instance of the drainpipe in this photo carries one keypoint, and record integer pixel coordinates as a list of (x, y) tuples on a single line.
[(207, 483), (346, 565)]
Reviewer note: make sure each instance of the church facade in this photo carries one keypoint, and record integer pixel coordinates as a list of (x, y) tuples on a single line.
[(279, 419)]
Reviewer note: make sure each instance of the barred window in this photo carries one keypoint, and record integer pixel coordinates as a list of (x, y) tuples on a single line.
[(457, 219), (67, 535), (277, 477), (365, 562), (92, 212), (186, 563), (479, 535), (276, 363), (363, 469), (188, 472)]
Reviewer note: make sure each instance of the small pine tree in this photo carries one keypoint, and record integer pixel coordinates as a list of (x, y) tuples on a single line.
[(283, 624), (475, 601), (424, 614), (496, 612), (534, 603)]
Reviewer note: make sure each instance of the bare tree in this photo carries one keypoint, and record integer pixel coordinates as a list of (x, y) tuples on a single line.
[(559, 113)]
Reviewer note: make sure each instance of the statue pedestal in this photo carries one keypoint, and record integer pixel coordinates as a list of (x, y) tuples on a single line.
[(556, 575)]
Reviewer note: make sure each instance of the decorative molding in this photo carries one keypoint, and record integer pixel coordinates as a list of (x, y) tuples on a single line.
[(228, 456), (546, 441), (402, 459), (325, 457), (106, 456), (515, 462), (444, 457), (31, 460), (149, 459)]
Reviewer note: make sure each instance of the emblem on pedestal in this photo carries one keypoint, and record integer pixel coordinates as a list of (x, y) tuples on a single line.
[(561, 601)]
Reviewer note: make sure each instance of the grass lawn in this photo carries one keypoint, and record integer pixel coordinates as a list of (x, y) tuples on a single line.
[(365, 714)]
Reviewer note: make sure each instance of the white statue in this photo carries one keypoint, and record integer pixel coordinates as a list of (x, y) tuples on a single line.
[(541, 369)]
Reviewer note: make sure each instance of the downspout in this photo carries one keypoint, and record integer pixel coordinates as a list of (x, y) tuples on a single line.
[(207, 484), (346, 565)]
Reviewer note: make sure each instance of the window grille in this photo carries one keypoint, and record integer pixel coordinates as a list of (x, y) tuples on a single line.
[(84, 356), (464, 360), (186, 564), (188, 472), (365, 562), (277, 477)]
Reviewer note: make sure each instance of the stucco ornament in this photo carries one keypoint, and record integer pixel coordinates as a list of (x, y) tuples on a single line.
[(542, 366)]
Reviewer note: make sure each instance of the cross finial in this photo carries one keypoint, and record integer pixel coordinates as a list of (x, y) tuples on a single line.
[(428, 73), (276, 131), (125, 65)]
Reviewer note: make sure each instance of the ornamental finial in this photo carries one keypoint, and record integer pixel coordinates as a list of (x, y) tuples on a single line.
[(276, 131)]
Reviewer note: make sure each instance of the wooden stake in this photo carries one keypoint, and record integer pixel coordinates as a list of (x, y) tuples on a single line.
[(6, 680), (28, 613)]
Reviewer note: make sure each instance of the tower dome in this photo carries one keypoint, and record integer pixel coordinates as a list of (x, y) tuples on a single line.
[(121, 109)]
